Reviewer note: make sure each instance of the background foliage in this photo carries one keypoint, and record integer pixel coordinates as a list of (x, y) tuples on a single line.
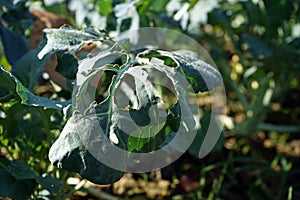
[(255, 45)]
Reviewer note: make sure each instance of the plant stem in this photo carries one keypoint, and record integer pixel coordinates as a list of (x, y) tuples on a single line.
[(279, 128)]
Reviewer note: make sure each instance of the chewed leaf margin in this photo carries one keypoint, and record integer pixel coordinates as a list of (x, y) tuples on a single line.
[(65, 42), (201, 75)]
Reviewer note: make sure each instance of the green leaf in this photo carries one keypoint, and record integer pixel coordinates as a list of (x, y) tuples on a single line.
[(49, 183), (201, 75), (105, 7), (202, 139), (65, 42), (67, 65), (18, 185), (27, 69), (15, 19), (19, 181), (145, 116), (66, 39), (13, 188), (174, 117), (10, 82), (70, 153), (7, 80), (20, 170), (256, 46)]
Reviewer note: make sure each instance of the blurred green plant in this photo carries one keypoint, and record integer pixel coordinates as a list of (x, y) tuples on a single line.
[(255, 44)]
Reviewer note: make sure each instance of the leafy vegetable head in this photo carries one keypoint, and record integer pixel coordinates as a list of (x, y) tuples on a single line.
[(131, 110), (147, 110)]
